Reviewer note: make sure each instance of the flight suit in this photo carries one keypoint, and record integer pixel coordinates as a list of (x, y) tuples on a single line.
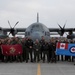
[(29, 49), (50, 52), (36, 48), (45, 47), (53, 49), (42, 41), (24, 50)]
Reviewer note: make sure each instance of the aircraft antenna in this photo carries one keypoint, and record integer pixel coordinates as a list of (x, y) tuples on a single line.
[(37, 17)]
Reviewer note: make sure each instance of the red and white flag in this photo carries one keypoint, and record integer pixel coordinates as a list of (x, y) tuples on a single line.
[(62, 45)]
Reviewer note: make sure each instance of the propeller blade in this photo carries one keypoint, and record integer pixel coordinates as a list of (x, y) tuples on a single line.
[(60, 26), (61, 30), (64, 24), (9, 24), (11, 34), (12, 30), (16, 24)]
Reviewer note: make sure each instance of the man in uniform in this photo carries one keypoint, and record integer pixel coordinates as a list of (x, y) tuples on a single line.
[(15, 41), (42, 41), (53, 49), (36, 50), (24, 49), (45, 48), (29, 49)]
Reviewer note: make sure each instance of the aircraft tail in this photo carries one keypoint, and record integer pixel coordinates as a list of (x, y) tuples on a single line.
[(37, 17)]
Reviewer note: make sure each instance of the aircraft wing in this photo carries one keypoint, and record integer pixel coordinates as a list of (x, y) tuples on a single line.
[(17, 29), (58, 29), (50, 29), (61, 30)]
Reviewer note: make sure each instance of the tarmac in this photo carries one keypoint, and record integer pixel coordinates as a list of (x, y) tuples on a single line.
[(18, 68)]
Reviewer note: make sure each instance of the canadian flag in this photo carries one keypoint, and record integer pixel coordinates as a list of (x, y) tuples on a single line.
[(62, 45)]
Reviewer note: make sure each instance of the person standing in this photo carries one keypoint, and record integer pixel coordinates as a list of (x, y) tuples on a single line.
[(29, 49), (36, 51), (42, 41), (45, 47), (53, 49), (24, 48)]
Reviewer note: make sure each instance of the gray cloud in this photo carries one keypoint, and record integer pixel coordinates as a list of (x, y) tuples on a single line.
[(51, 12)]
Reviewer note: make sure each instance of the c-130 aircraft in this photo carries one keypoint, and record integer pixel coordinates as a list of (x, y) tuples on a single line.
[(37, 30)]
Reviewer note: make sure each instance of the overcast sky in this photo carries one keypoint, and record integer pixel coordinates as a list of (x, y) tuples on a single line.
[(51, 12)]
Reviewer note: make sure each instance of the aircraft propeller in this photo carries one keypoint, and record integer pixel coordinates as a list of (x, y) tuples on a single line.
[(62, 29), (12, 29)]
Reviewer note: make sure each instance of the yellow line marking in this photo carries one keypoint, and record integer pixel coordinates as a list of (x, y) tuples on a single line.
[(38, 70)]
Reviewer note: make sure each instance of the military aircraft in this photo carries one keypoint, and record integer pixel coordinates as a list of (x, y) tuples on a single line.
[(2, 34), (37, 29)]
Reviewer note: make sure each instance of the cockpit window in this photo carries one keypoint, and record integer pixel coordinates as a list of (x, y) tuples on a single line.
[(37, 25), (33, 26)]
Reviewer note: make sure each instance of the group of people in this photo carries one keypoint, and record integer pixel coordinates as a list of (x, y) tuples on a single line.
[(40, 50), (34, 51)]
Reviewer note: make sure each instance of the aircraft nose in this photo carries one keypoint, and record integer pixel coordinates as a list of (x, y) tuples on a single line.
[(36, 35)]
